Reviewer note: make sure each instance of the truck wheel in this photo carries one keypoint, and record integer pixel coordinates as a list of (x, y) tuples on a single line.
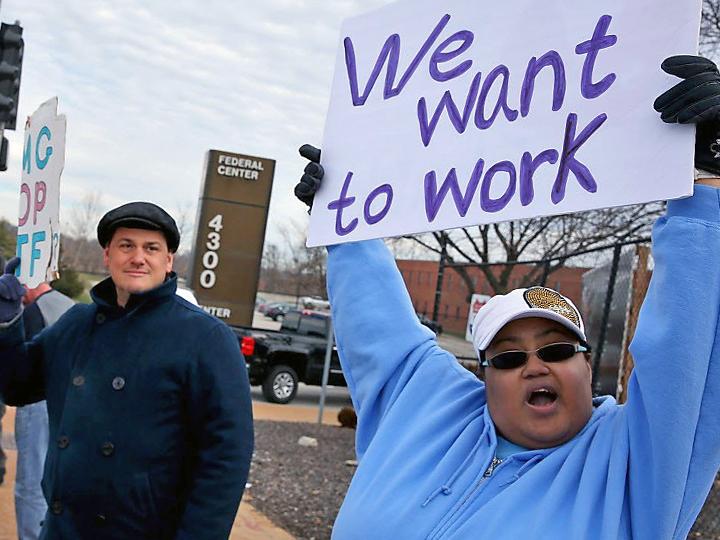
[(281, 384)]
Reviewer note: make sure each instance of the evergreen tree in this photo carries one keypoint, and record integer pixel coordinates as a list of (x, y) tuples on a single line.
[(69, 283), (8, 240)]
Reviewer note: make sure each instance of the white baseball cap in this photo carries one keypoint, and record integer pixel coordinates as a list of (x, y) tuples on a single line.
[(520, 304)]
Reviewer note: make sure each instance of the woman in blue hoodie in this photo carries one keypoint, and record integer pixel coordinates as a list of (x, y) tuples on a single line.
[(529, 453)]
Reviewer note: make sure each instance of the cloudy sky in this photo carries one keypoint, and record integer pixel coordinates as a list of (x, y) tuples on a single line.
[(148, 87)]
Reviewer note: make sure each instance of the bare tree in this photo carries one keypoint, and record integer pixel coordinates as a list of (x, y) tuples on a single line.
[(272, 268), (184, 219), (79, 251), (290, 267), (307, 265), (548, 240), (710, 27), (84, 216)]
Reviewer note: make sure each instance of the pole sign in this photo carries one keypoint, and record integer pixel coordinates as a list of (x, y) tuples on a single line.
[(230, 232), (458, 113), (38, 238), (477, 301)]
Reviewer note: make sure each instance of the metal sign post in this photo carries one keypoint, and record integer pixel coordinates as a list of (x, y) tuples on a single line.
[(326, 368)]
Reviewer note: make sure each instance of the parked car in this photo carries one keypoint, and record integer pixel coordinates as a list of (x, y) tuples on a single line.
[(187, 294), (278, 310), (279, 359), (432, 325), (313, 302)]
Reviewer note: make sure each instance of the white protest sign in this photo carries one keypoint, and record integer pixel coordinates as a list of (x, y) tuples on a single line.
[(457, 113), (38, 223), (477, 301)]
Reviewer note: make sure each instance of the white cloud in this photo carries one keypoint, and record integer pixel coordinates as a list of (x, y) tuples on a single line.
[(149, 87)]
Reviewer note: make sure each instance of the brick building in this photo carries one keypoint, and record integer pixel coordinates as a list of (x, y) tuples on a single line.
[(421, 279)]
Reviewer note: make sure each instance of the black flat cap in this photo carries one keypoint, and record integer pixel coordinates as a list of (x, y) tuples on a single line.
[(139, 215)]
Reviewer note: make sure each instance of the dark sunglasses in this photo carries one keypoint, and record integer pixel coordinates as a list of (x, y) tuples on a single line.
[(554, 352)]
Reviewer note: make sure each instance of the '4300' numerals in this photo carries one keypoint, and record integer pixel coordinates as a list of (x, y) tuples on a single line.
[(211, 259)]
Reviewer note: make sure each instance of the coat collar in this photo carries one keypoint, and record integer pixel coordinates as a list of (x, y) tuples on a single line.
[(104, 294)]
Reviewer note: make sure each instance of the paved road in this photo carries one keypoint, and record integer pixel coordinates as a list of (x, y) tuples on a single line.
[(309, 396)]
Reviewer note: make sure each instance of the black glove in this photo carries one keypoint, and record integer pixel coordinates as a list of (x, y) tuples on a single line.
[(696, 100), (310, 181), (11, 292)]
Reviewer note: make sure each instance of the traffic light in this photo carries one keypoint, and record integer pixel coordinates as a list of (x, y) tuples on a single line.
[(11, 56), (3, 154)]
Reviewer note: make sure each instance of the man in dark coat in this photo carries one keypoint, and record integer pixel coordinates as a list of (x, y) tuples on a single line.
[(148, 396)]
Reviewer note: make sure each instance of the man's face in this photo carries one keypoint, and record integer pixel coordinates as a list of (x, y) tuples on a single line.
[(539, 404), (138, 260)]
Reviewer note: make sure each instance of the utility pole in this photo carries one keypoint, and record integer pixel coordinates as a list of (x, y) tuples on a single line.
[(326, 368), (605, 317), (441, 273)]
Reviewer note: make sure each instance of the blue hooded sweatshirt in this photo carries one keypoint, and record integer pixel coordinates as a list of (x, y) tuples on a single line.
[(426, 441)]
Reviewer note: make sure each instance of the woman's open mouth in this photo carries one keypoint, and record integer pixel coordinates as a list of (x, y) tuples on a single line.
[(542, 399)]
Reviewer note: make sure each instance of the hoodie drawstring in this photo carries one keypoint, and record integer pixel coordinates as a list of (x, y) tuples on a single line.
[(446, 488)]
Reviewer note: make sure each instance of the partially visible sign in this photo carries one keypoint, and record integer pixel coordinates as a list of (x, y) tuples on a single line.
[(43, 160), (458, 113), (228, 245), (478, 301)]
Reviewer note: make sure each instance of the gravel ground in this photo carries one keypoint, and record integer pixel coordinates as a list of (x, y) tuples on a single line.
[(707, 526), (301, 488)]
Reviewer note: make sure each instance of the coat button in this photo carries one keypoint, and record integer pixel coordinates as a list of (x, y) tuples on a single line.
[(100, 318), (108, 448), (78, 380), (63, 442), (118, 383), (56, 507)]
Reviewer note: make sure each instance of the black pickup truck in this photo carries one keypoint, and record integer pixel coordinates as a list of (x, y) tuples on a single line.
[(279, 359)]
